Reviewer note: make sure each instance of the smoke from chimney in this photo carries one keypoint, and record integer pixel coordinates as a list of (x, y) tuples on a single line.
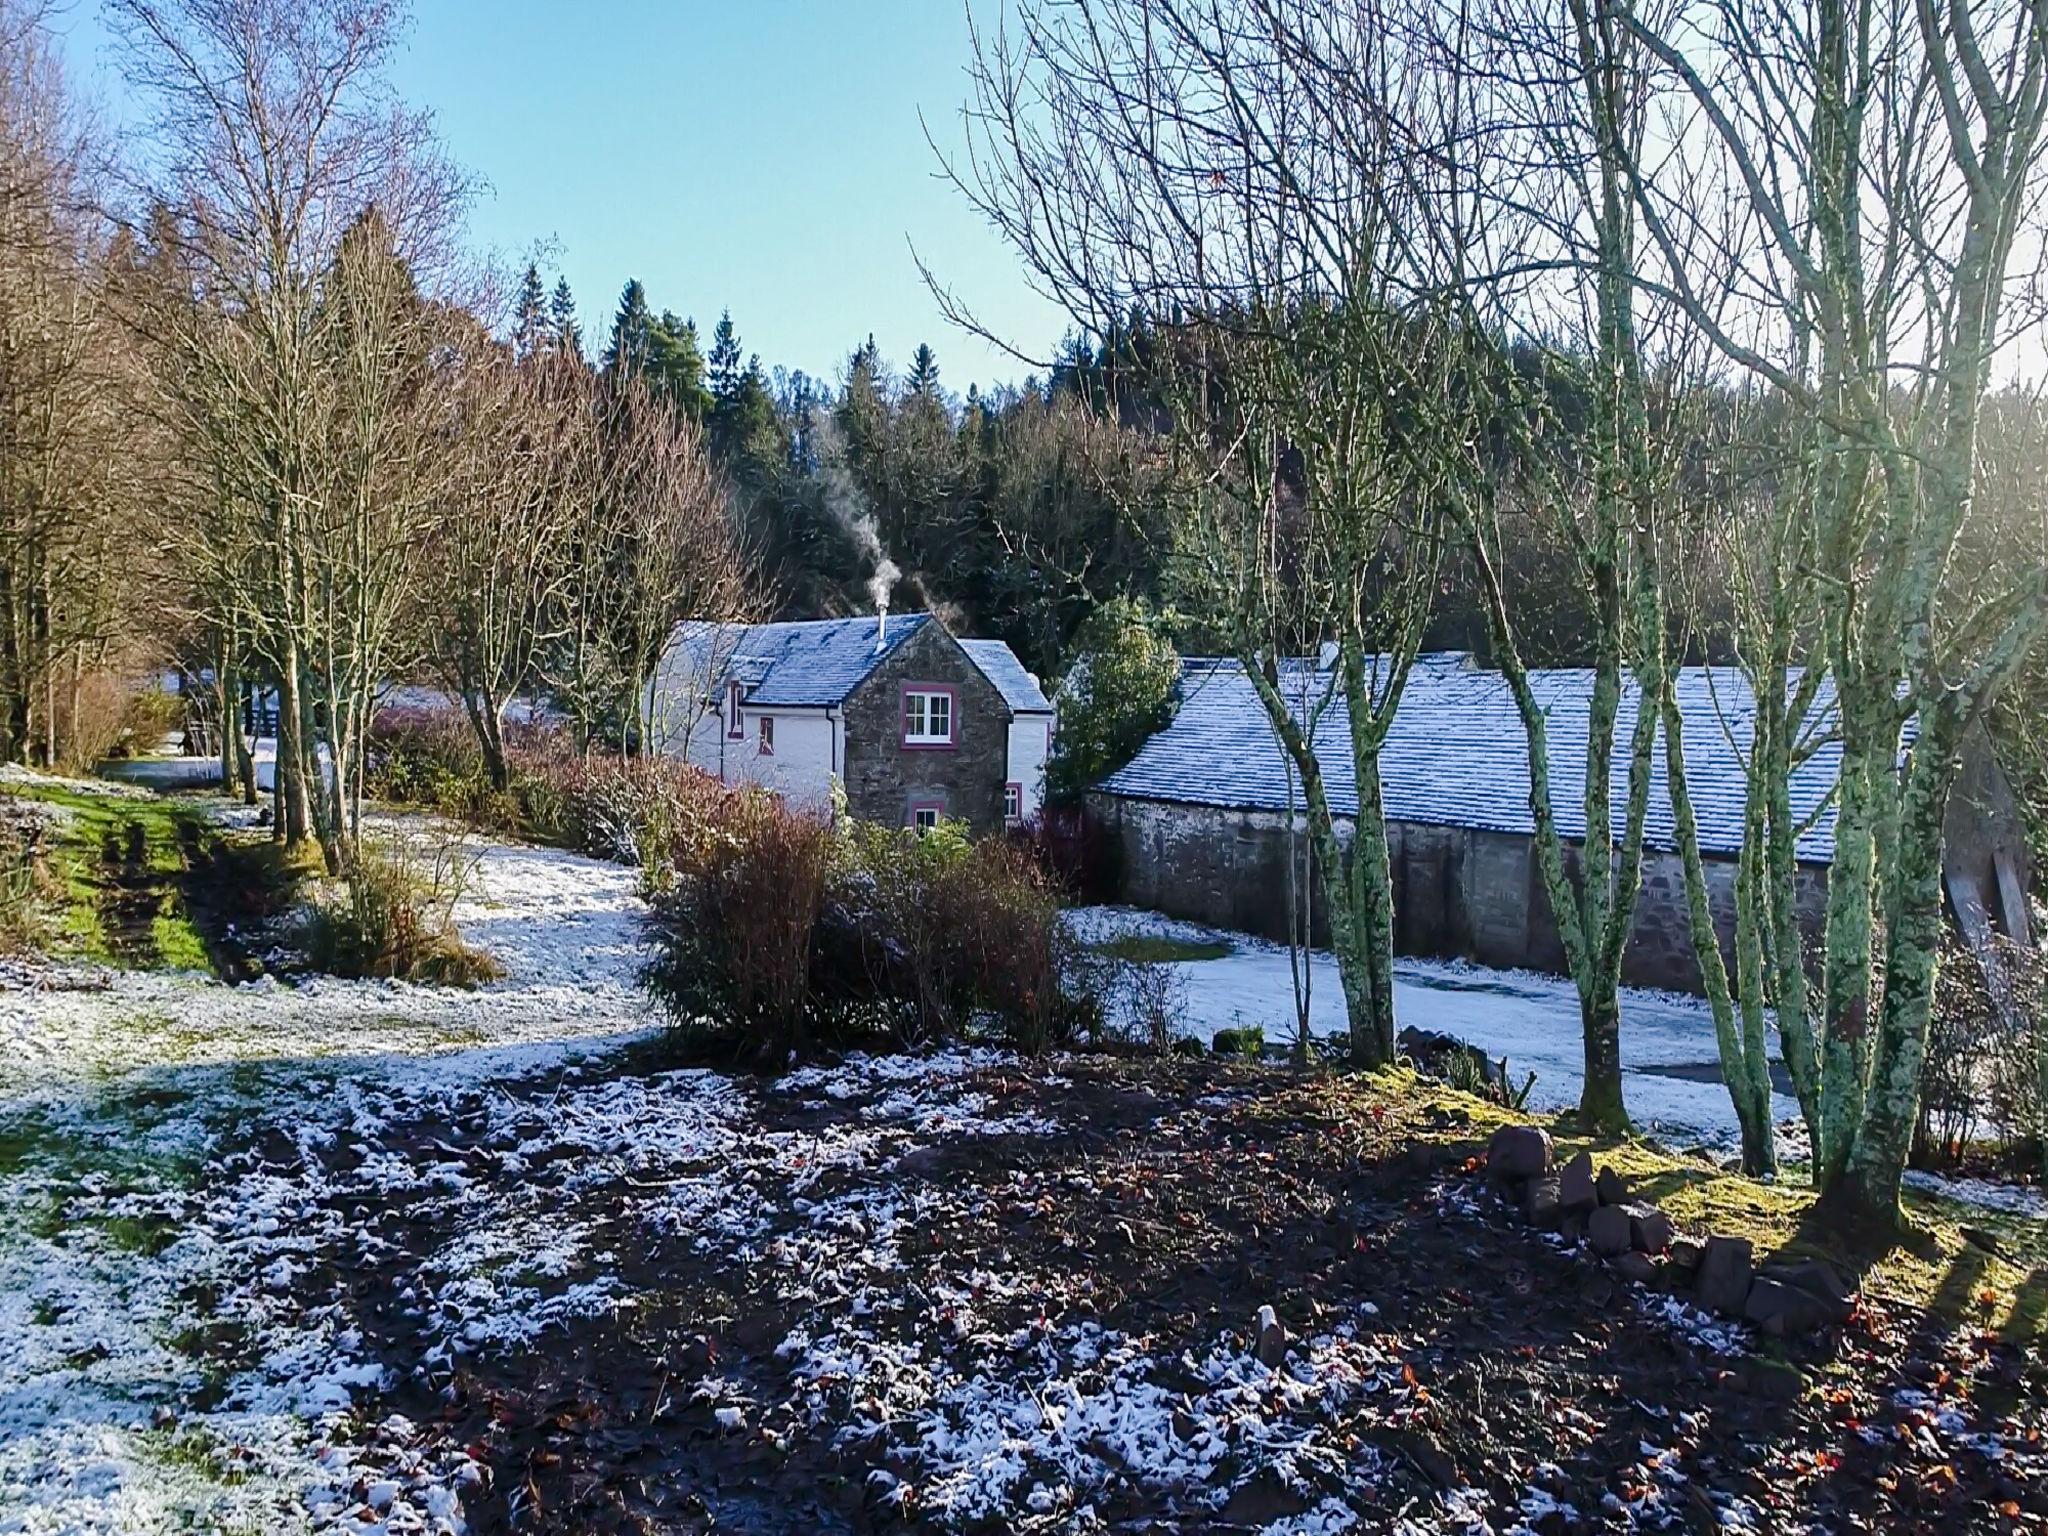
[(849, 508)]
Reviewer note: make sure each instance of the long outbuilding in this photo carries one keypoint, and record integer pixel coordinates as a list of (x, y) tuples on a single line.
[(1199, 822)]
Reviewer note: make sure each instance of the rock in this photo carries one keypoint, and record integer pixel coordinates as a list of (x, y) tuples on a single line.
[(1724, 1277), (1610, 1187), (1540, 1205), (1649, 1228), (1518, 1152), (1685, 1255), (1608, 1229), (1775, 1381), (1573, 1226), (1832, 1297), (1780, 1309), (1575, 1190), (1272, 1345), (1634, 1266)]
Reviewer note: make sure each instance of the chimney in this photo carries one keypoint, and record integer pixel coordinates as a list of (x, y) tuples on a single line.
[(881, 627)]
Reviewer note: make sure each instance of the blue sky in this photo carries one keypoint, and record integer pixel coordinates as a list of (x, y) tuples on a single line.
[(762, 156)]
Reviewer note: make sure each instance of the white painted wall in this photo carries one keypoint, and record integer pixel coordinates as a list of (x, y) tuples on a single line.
[(1030, 743)]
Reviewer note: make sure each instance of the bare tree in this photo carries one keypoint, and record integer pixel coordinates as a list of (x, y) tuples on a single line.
[(654, 544), (1845, 202), (1178, 163), (297, 372), (69, 485), (500, 557)]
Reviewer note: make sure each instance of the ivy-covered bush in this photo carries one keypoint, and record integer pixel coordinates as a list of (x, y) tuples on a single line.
[(1120, 685)]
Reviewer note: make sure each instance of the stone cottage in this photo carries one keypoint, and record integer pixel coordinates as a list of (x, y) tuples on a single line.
[(1198, 821), (915, 724)]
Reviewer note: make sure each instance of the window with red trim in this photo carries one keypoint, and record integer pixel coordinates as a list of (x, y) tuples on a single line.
[(926, 815), (767, 735), (735, 727)]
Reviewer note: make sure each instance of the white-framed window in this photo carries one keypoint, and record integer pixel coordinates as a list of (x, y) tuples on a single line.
[(767, 735), (928, 715), (1013, 801), (735, 725), (924, 818)]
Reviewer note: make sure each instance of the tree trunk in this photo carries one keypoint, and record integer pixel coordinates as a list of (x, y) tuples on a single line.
[(1851, 937), (1743, 1067), (1600, 1102), (295, 820), (1868, 1186), (1373, 883)]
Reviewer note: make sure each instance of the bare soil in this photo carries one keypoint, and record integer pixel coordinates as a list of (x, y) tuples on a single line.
[(1173, 1201)]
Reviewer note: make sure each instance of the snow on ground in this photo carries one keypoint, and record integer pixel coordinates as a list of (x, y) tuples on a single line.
[(121, 1239), (1531, 1019), (565, 929), (194, 1175)]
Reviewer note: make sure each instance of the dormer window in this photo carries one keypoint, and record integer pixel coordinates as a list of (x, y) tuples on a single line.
[(928, 715), (735, 726)]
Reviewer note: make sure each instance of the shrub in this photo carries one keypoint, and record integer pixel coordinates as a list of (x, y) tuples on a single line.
[(1122, 678), (394, 918), (780, 934), (601, 805), (1247, 1040)]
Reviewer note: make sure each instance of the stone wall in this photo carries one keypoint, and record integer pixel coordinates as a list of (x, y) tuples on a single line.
[(885, 779), (1459, 893)]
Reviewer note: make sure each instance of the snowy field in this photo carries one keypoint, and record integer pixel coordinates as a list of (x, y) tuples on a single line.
[(1531, 1019), (262, 1247)]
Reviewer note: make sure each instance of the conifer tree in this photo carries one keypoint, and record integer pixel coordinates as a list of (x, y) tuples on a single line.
[(530, 325), (924, 373), (675, 365), (562, 310), (632, 340), (726, 368)]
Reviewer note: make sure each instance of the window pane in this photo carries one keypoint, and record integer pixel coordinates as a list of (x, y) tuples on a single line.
[(913, 715), (942, 716)]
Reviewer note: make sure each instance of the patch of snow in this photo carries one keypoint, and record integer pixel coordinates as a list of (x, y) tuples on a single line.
[(2014, 1199), (1530, 1018)]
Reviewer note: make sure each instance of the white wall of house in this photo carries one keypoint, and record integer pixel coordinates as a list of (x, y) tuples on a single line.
[(1030, 744), (808, 749)]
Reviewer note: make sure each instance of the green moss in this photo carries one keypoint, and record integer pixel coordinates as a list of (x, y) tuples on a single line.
[(1148, 949), (128, 872), (1937, 1268)]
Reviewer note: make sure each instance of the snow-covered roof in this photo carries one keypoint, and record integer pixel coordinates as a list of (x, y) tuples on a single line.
[(999, 664), (816, 663), (1457, 754), (804, 664)]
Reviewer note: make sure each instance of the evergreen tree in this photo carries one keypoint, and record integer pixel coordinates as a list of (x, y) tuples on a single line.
[(631, 346), (726, 370), (924, 373), (675, 365), (562, 311), (530, 330)]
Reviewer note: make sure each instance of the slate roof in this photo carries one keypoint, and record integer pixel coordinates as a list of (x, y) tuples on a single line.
[(999, 664), (816, 663), (806, 664), (1457, 754)]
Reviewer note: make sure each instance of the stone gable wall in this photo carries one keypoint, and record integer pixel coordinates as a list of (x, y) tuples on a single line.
[(884, 779)]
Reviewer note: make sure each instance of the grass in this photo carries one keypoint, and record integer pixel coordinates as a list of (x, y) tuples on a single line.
[(150, 883), (1150, 949), (1936, 1268)]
